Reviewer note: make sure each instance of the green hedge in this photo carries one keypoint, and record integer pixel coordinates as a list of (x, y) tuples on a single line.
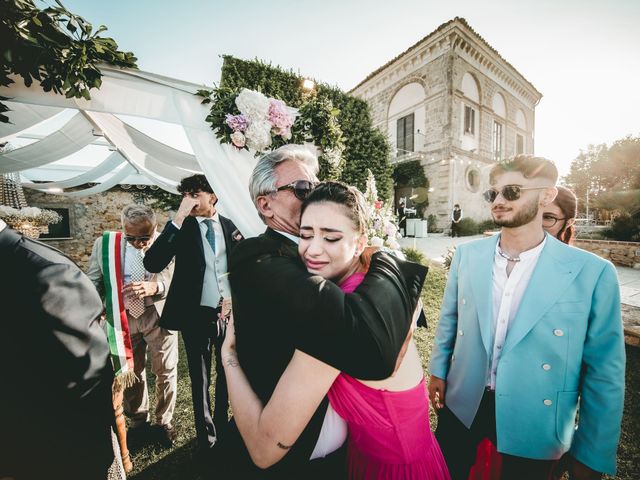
[(365, 146)]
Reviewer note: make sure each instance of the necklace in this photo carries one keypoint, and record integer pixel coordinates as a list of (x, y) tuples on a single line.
[(504, 255)]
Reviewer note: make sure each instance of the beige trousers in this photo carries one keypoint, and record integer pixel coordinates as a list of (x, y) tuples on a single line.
[(163, 347)]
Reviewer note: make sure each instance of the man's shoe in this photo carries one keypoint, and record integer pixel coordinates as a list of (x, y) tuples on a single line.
[(166, 435)]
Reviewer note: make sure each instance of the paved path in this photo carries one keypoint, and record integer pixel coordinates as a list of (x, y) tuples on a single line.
[(435, 246)]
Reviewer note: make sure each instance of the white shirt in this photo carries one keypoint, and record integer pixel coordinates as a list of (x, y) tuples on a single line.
[(507, 295), (2, 225), (216, 275)]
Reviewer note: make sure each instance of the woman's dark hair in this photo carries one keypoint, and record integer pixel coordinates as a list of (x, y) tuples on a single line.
[(568, 203), (342, 194), (194, 184)]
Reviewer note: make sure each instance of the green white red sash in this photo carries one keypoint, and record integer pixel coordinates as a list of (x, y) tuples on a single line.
[(117, 324)]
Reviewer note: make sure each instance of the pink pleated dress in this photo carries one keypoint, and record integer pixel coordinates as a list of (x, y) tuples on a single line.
[(389, 433)]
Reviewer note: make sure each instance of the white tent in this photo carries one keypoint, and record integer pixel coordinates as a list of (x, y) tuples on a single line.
[(138, 94)]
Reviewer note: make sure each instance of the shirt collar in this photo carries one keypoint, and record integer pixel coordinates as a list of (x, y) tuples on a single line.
[(293, 238), (215, 218), (526, 255), (2, 225)]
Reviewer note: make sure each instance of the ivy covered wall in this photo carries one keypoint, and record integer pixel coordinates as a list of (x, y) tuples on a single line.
[(365, 146)]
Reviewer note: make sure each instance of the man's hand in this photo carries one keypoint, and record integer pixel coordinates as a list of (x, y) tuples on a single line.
[(437, 387), (140, 289), (577, 469), (184, 209)]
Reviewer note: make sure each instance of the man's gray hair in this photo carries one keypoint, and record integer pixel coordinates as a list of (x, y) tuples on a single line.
[(137, 213), (263, 178)]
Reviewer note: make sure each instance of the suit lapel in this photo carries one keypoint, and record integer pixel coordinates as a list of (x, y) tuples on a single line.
[(555, 271), (481, 264)]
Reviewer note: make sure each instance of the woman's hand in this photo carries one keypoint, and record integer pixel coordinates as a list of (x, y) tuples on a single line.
[(229, 344)]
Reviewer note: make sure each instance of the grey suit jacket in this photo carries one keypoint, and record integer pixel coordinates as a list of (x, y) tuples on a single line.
[(95, 273)]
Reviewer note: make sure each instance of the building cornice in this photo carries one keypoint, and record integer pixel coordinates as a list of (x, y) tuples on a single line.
[(455, 35)]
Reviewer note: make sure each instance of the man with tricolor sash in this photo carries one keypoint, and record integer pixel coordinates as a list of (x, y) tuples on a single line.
[(134, 299)]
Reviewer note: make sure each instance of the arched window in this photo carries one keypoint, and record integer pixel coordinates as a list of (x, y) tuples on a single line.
[(471, 93), (406, 115)]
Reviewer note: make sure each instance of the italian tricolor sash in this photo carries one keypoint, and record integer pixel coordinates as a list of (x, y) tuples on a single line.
[(117, 325)]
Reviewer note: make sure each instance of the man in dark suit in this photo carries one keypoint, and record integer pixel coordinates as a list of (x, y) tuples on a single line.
[(200, 240), (55, 407), (279, 307)]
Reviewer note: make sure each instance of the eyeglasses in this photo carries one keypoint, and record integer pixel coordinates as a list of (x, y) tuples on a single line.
[(301, 188), (549, 221), (134, 239), (509, 192)]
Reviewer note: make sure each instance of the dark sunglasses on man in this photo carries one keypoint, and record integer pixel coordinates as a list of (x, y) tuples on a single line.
[(300, 188), (134, 239), (509, 192)]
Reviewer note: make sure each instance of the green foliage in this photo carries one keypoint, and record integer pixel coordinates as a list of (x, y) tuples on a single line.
[(487, 226), (467, 226), (163, 200), (432, 222), (603, 170), (365, 147), (625, 227), (410, 174), (414, 255), (56, 48)]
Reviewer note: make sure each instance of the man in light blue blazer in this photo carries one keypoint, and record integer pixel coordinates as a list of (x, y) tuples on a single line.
[(530, 331)]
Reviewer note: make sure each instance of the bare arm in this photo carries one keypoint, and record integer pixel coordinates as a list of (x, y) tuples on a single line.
[(269, 431)]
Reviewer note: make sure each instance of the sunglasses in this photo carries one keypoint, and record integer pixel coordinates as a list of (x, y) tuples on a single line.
[(134, 239), (509, 192), (300, 188)]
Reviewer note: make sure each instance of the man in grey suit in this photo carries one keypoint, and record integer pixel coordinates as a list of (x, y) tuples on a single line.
[(144, 295)]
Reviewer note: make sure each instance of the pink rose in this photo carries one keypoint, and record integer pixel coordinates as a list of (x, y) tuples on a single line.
[(238, 139)]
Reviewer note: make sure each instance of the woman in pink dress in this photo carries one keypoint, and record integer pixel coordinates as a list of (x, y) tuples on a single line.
[(388, 421)]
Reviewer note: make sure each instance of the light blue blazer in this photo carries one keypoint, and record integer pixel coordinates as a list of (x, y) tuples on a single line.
[(564, 349)]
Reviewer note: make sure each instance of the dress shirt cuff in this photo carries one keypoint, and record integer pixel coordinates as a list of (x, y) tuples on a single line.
[(175, 224), (160, 288)]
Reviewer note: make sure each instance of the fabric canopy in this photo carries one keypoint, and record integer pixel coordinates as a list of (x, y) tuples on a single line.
[(138, 94)]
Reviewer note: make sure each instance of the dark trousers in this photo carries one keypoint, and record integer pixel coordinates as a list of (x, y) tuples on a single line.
[(459, 445), (200, 342), (454, 229)]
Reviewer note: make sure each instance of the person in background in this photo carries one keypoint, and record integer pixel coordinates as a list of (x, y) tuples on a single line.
[(559, 217), (200, 240), (144, 295), (402, 219), (456, 216), (56, 412)]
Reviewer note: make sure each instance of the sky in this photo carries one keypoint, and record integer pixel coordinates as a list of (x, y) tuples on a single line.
[(582, 55)]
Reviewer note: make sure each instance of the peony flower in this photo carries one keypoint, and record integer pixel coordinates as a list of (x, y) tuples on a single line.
[(253, 105), (238, 139), (376, 242), (279, 117), (237, 123), (378, 204), (258, 135), (390, 229)]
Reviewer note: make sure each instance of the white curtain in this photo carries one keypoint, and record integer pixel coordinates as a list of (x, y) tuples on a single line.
[(135, 93), (24, 116), (72, 137)]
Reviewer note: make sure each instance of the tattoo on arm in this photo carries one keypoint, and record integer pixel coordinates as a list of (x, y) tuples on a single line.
[(232, 361), (284, 447)]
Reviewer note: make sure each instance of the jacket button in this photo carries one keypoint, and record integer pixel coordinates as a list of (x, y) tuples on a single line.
[(460, 332), (558, 333), (547, 402), (546, 366)]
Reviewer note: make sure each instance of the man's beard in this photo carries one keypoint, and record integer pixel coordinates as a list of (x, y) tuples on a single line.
[(524, 216)]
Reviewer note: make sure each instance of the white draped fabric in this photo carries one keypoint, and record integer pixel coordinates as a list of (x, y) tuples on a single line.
[(135, 93), (72, 137), (109, 164), (24, 116)]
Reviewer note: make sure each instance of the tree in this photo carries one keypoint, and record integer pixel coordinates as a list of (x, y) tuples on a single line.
[(55, 47)]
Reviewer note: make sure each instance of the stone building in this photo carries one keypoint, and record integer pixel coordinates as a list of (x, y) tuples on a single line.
[(455, 105)]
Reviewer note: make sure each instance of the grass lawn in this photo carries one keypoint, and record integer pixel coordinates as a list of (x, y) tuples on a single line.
[(153, 462)]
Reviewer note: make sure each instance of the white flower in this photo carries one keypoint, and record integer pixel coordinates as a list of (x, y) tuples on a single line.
[(253, 105), (393, 245), (332, 156), (376, 242), (390, 229), (258, 135), (237, 138)]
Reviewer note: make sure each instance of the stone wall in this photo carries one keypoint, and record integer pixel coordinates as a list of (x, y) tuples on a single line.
[(626, 254), (88, 218)]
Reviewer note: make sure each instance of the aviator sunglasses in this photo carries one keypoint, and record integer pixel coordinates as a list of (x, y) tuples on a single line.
[(301, 188), (509, 192)]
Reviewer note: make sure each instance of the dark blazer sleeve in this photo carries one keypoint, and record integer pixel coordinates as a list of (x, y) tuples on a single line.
[(360, 333), (163, 249)]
